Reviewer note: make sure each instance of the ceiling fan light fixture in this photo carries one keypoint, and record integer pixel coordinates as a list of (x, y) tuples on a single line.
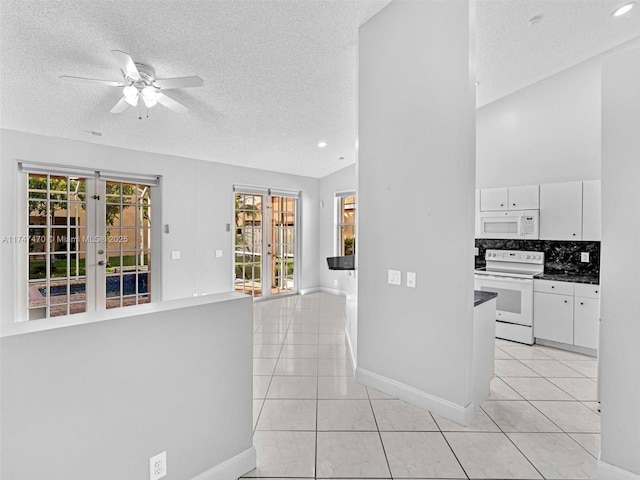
[(150, 96), (618, 12), (130, 93)]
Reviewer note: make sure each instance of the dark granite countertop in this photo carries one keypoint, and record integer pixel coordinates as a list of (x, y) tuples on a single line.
[(569, 277), (481, 297)]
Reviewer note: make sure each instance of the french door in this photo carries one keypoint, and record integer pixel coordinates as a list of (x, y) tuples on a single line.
[(265, 242), (89, 243)]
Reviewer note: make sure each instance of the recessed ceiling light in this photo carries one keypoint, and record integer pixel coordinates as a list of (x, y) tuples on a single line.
[(623, 9), (322, 144)]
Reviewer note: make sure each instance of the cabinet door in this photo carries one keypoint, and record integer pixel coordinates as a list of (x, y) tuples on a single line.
[(526, 197), (591, 210), (553, 317), (561, 211), (586, 316), (493, 199)]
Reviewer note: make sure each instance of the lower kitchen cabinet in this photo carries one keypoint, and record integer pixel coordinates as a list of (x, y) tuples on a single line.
[(553, 317), (585, 326), (567, 313)]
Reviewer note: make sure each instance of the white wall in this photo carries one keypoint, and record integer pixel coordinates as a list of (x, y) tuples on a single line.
[(416, 169), (343, 282), (340, 181), (547, 132), (197, 203), (620, 310), (96, 401)]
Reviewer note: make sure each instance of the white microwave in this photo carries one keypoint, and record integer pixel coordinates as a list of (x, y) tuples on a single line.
[(518, 224)]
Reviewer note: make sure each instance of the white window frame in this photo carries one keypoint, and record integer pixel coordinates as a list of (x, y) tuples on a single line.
[(338, 223), (21, 257)]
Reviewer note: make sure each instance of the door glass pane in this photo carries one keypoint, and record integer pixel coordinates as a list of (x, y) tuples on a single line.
[(56, 280), (282, 265), (128, 244), (248, 244)]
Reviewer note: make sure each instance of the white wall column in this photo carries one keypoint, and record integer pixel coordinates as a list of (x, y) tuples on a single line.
[(416, 169), (620, 310)]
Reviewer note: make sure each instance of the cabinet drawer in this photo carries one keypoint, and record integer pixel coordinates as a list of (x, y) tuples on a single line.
[(586, 290), (546, 286)]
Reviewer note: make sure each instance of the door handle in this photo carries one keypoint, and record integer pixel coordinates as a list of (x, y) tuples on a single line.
[(101, 263)]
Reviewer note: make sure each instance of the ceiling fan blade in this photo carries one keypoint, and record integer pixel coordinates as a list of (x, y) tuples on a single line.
[(178, 82), (120, 107), (94, 80), (171, 104), (126, 64)]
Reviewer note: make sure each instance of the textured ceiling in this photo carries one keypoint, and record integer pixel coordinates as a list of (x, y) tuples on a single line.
[(279, 74), (512, 54)]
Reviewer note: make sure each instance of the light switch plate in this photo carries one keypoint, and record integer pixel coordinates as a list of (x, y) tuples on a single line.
[(175, 255), (476, 251), (411, 279), (395, 277), (584, 256), (218, 253)]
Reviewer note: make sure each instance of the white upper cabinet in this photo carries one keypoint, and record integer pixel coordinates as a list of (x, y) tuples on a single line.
[(494, 199), (591, 210), (561, 211), (524, 197)]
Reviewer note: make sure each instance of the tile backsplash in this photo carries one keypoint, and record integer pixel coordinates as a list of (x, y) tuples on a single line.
[(559, 257)]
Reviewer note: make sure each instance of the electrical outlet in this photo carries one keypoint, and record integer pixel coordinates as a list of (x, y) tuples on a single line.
[(584, 256), (218, 253), (411, 279), (335, 283), (395, 277), (476, 251), (175, 255), (158, 466)]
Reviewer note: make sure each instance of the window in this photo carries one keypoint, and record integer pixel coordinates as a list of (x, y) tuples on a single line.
[(346, 223), (88, 241)]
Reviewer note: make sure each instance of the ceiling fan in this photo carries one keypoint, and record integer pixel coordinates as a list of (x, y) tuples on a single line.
[(139, 82)]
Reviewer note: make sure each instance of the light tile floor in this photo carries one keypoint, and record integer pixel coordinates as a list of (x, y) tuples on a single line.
[(312, 420)]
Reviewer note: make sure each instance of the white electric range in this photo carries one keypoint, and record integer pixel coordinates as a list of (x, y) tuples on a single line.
[(509, 273)]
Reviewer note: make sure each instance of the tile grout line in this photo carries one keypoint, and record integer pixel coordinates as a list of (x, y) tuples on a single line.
[(384, 450), (513, 443)]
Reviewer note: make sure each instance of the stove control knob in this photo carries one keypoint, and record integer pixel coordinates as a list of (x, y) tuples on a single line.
[(528, 257)]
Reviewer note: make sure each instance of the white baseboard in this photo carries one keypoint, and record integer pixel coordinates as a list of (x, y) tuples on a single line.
[(440, 406), (231, 469), (307, 291), (611, 472), (330, 291)]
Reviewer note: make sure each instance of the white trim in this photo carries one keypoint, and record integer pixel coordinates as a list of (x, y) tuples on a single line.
[(330, 291), (250, 189), (607, 471), (235, 467), (440, 406), (66, 170)]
